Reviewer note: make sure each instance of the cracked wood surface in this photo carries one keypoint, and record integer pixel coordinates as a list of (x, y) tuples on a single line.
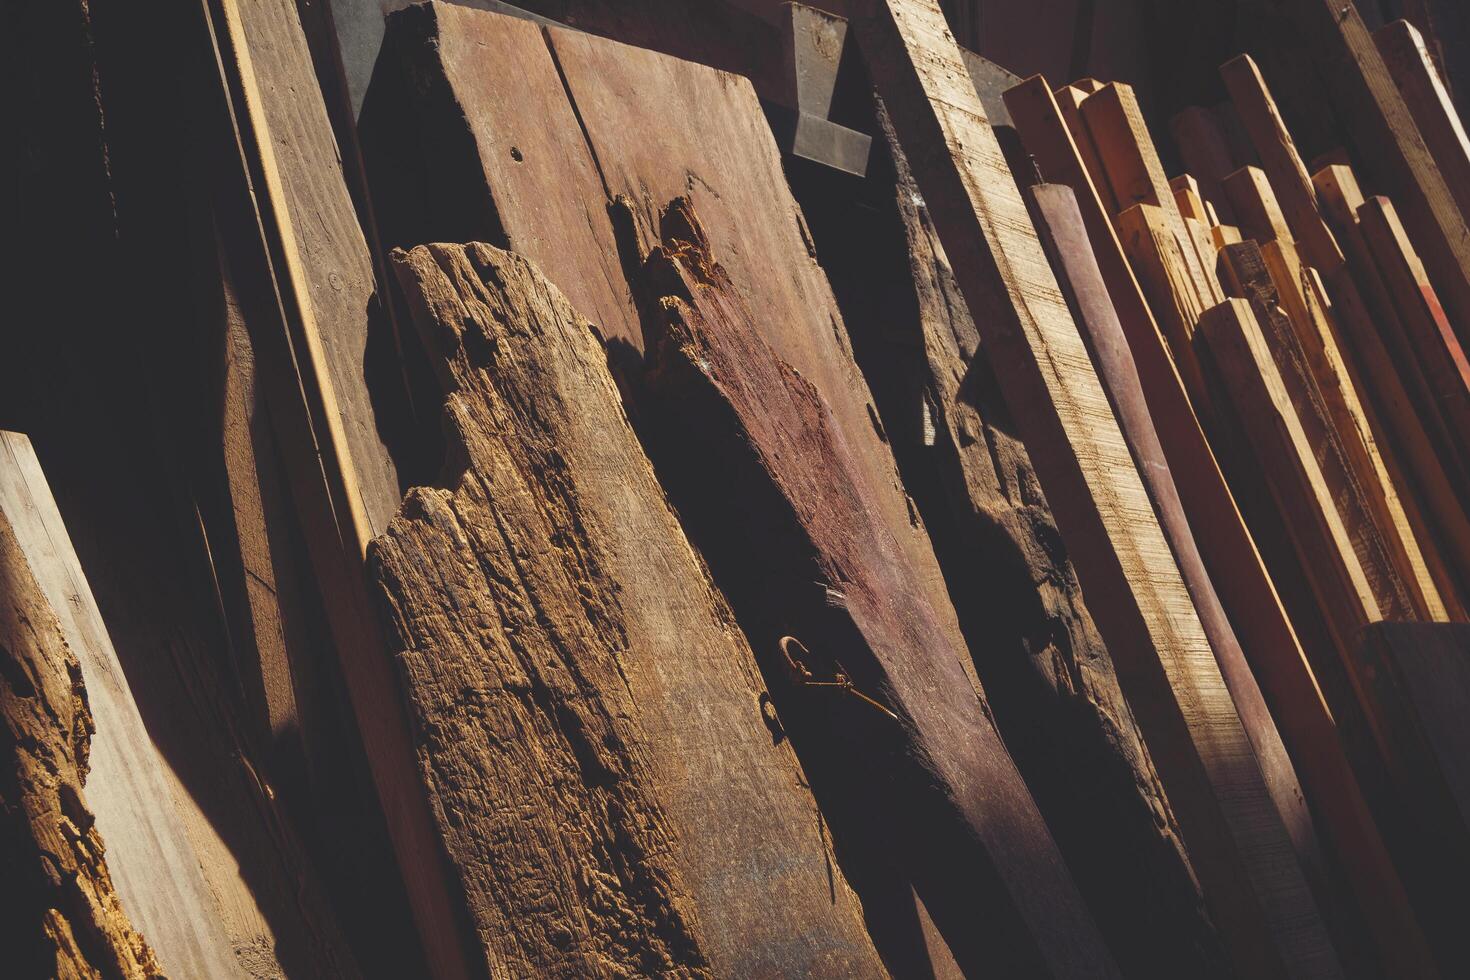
[(589, 716), (772, 492), (63, 915), (1241, 849)]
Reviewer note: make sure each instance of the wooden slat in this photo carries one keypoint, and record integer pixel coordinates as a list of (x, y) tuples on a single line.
[(1255, 205), (1281, 162), (1432, 339), (1399, 388), (1102, 508), (1069, 103), (1132, 164), (1060, 226), (1230, 555), (1387, 138), (1434, 112), (1333, 457), (307, 285), (151, 857)]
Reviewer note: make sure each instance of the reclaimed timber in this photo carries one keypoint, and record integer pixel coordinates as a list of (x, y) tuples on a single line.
[(1120, 552), (776, 502), (1397, 383), (63, 916), (1299, 372), (1281, 162), (1062, 233), (1206, 154), (1187, 198), (1069, 104), (312, 305), (1133, 168), (1238, 572), (1255, 205), (1434, 343), (1222, 235), (1434, 112), (611, 660), (153, 864), (1157, 256), (1303, 296), (1388, 140), (1048, 678)]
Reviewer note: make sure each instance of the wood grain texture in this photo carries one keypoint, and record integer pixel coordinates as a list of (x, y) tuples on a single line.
[(1048, 677), (63, 916), (1281, 162), (1386, 137), (1120, 552), (759, 468), (152, 862), (1419, 81), (569, 701)]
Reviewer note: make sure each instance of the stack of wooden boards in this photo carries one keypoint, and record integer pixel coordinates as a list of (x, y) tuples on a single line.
[(1308, 386), (538, 565)]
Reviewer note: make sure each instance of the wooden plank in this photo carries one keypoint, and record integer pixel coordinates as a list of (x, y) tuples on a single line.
[(1398, 386), (1206, 154), (1062, 233), (1235, 565), (1333, 457), (1281, 162), (1386, 137), (1419, 82), (1078, 747), (660, 677), (304, 265), (151, 858), (1069, 103), (1133, 168), (1433, 341), (1101, 506), (1187, 198), (1157, 256), (1255, 205), (1223, 235), (779, 506)]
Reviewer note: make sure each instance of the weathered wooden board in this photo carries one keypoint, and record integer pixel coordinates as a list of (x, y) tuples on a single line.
[(63, 917), (1434, 112), (586, 714), (775, 498), (1386, 137), (1048, 677), (1121, 555), (151, 856)]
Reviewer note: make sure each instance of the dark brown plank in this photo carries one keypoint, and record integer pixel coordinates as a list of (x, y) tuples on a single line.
[(1107, 521), (756, 463), (569, 701)]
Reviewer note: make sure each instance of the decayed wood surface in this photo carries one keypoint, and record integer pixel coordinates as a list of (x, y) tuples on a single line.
[(1047, 675), (588, 716), (152, 863), (63, 917), (761, 472), (1123, 561)]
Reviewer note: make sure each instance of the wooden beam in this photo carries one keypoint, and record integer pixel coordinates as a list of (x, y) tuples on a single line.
[(1133, 168), (151, 857), (1069, 103), (1230, 555), (1158, 258), (1418, 80), (1101, 506), (1387, 138), (1281, 162), (1255, 205), (1206, 154)]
